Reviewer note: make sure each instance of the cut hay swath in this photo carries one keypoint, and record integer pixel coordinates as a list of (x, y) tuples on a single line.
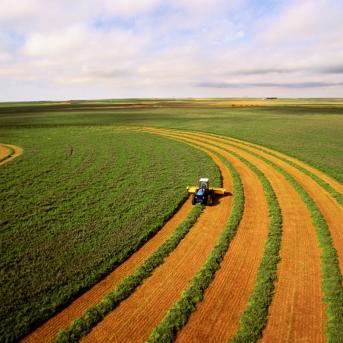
[(169, 319)]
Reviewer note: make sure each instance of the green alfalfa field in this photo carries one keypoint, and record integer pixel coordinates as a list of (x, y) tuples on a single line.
[(87, 192)]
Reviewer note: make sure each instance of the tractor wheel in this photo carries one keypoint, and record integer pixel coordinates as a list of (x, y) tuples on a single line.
[(193, 201), (209, 200)]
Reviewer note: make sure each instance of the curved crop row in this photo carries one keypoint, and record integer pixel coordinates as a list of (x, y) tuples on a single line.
[(139, 314), (332, 277), (337, 195), (178, 315), (331, 280), (95, 314), (66, 229), (254, 317), (10, 152)]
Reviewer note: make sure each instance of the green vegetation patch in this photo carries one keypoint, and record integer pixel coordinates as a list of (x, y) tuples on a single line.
[(338, 196), (255, 315), (77, 204), (179, 313), (83, 325), (307, 129), (331, 274)]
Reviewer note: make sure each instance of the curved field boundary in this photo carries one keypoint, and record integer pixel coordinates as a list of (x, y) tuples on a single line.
[(5, 152), (254, 318), (334, 188), (135, 318), (302, 213), (216, 318), (47, 331), (326, 203), (331, 211), (95, 314), (331, 274), (178, 315), (8, 152), (297, 228), (332, 277)]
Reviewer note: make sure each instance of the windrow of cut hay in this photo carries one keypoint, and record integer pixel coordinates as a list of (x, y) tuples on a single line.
[(331, 273), (332, 287), (255, 316), (77, 204), (83, 325), (303, 168), (178, 315), (5, 152)]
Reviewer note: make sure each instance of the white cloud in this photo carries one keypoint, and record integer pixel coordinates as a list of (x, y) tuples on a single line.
[(13, 10), (127, 8), (307, 20), (161, 47), (52, 43)]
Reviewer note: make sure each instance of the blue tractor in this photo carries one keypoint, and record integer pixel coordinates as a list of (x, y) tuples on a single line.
[(203, 193)]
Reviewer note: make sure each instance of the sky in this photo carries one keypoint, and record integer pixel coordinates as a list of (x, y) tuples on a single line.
[(86, 49)]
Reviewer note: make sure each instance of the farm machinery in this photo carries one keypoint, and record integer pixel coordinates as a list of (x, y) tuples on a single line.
[(203, 193)]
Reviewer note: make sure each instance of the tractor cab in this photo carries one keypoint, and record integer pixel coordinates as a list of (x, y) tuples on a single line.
[(203, 193), (204, 183)]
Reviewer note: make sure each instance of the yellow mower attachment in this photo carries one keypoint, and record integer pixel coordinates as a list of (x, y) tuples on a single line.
[(204, 194), (216, 190)]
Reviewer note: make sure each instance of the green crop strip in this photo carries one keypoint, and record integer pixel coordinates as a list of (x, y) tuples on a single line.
[(332, 277), (92, 200), (255, 315), (178, 315), (82, 326), (338, 196), (9, 153)]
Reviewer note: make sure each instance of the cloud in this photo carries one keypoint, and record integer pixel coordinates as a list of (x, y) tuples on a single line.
[(293, 85), (306, 20), (13, 10), (128, 8), (168, 47), (61, 41), (333, 69)]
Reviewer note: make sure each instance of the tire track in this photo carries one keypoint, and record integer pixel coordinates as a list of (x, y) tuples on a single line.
[(134, 318)]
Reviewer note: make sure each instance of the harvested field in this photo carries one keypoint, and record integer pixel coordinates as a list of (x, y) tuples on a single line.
[(304, 302), (47, 331), (301, 270), (70, 219), (137, 316)]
